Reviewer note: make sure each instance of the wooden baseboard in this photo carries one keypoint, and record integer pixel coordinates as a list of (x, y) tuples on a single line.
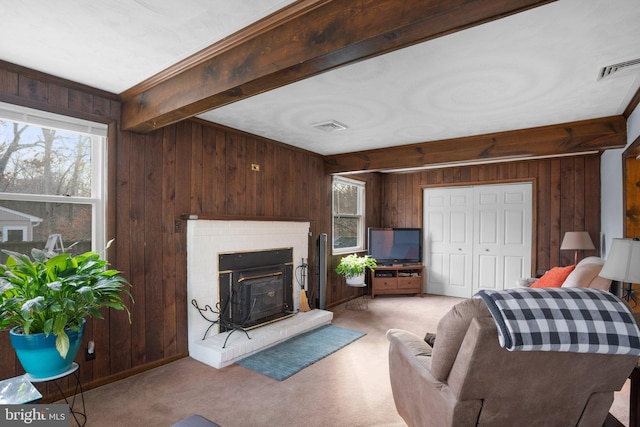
[(52, 397)]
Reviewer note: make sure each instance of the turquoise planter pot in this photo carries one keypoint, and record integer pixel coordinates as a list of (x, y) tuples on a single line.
[(38, 355)]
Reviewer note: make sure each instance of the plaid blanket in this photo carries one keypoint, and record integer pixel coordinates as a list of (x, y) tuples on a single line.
[(579, 320)]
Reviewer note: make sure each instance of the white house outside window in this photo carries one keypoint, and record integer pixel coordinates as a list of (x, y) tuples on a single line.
[(51, 180), (348, 215)]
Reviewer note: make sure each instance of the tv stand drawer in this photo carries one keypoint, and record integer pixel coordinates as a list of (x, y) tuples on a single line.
[(385, 283), (410, 283)]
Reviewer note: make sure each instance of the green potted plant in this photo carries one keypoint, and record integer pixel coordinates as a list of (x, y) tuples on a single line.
[(353, 267), (45, 300)]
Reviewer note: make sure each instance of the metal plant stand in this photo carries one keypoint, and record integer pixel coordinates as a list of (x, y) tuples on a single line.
[(361, 302)]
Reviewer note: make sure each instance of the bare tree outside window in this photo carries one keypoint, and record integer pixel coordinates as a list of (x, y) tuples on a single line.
[(54, 168), (35, 160)]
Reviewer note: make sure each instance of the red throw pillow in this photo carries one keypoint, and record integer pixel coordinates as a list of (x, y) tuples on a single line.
[(553, 278)]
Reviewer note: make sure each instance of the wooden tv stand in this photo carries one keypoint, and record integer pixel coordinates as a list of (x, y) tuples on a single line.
[(397, 279)]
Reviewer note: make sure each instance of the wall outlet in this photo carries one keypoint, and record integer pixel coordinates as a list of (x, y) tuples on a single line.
[(90, 352)]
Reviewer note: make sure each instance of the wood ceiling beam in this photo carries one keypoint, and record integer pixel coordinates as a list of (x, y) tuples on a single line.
[(576, 137), (308, 38)]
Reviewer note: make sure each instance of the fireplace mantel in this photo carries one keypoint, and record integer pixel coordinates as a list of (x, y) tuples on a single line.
[(210, 217)]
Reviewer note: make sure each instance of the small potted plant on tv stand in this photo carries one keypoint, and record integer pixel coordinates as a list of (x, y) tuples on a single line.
[(353, 268)]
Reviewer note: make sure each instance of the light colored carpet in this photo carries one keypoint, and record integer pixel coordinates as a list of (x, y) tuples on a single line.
[(348, 388)]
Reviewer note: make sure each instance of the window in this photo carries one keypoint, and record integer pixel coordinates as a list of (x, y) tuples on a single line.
[(51, 180), (348, 215), (14, 234)]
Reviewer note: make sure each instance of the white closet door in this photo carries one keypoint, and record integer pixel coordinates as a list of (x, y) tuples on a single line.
[(448, 240), (477, 237), (502, 235)]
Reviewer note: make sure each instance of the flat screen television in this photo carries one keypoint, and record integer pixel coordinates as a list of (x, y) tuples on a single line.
[(391, 246)]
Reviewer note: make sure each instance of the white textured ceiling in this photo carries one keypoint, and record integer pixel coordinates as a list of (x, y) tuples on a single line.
[(532, 69), (535, 68), (115, 44)]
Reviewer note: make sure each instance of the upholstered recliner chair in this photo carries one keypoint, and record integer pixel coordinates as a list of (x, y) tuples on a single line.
[(468, 379)]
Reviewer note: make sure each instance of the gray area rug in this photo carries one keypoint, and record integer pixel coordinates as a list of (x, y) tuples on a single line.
[(291, 356)]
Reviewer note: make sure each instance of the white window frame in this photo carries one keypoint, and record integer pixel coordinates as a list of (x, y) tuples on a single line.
[(98, 134), (360, 214), (6, 229)]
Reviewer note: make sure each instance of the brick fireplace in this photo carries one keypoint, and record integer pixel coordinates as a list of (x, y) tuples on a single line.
[(206, 241)]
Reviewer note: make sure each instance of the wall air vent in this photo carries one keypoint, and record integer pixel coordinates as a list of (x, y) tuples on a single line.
[(330, 126), (610, 70)]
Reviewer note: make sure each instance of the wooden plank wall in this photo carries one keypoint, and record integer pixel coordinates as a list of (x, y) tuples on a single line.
[(567, 198), (196, 168), (632, 196), (154, 179)]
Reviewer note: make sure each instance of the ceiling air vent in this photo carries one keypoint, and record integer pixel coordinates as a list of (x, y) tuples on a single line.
[(330, 126), (610, 70)]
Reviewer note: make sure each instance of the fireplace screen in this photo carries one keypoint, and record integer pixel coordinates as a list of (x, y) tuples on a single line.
[(255, 288)]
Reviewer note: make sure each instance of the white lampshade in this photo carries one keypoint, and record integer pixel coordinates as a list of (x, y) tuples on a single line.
[(577, 240), (623, 262)]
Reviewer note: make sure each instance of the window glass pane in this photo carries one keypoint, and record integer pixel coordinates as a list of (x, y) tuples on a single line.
[(29, 225), (36, 160), (345, 198), (345, 232)]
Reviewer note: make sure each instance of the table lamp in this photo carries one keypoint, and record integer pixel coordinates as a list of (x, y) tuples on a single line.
[(623, 264), (577, 241)]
